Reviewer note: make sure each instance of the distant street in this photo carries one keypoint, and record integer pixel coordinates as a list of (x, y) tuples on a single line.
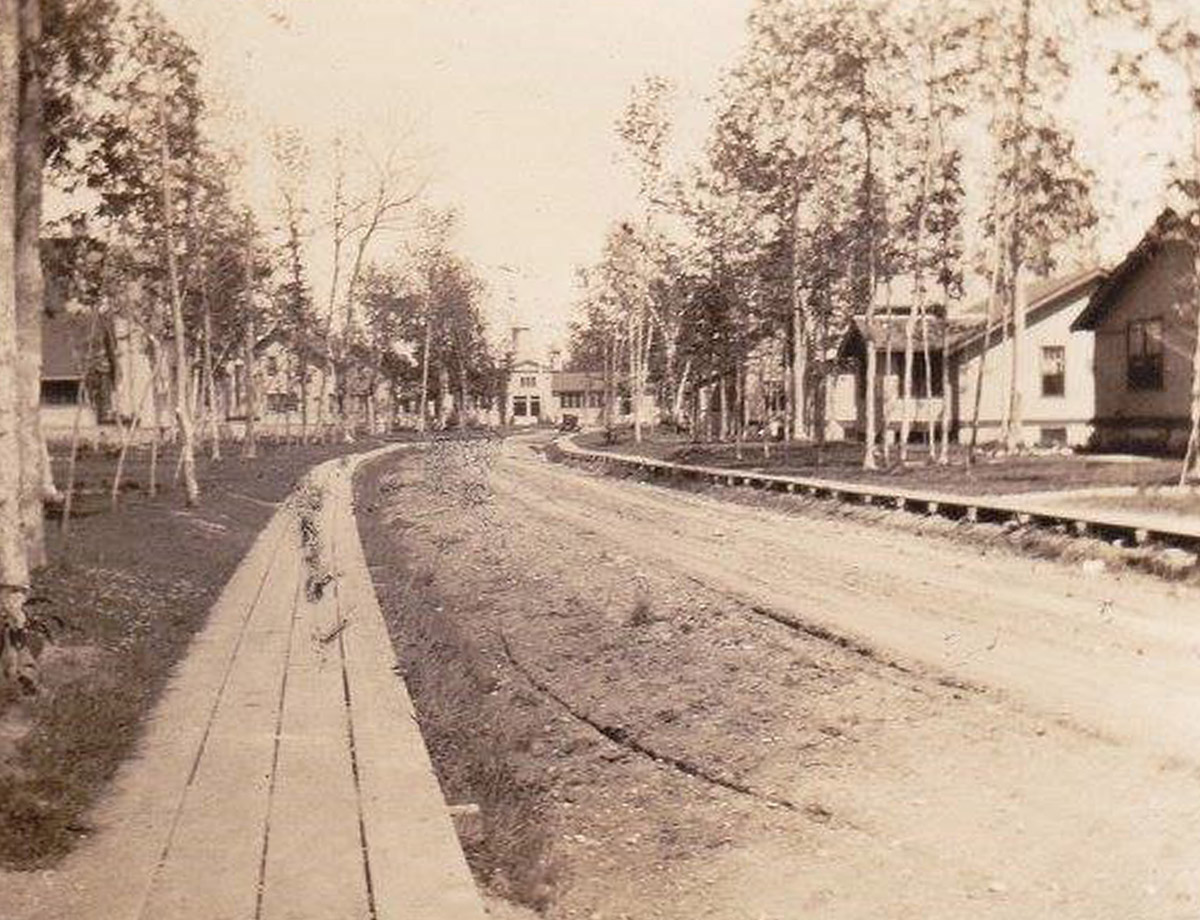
[(959, 735)]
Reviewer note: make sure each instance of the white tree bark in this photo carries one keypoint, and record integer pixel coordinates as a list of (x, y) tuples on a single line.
[(183, 413), (15, 661), (30, 286)]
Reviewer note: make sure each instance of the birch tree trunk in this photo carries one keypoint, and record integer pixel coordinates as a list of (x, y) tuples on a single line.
[(69, 497), (1013, 428), (156, 363), (303, 371), (739, 406), (723, 417), (127, 435), (947, 396), (1013, 436), (210, 390), (424, 406), (635, 351), (29, 283), (681, 390), (800, 427), (870, 388), (1191, 459), (906, 405), (250, 441), (15, 662), (183, 415), (986, 346), (927, 359)]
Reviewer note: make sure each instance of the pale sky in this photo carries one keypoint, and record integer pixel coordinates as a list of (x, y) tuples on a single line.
[(510, 103), (509, 106)]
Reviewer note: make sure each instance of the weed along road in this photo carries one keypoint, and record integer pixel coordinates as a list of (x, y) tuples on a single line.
[(733, 709)]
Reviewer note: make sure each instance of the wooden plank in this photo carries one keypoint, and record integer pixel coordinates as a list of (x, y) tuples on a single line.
[(210, 870), (417, 865), (314, 868)]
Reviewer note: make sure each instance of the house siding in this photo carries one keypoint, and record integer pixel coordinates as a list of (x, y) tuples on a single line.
[(1073, 412)]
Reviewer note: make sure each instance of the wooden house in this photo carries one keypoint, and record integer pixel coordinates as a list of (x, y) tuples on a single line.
[(1143, 315)]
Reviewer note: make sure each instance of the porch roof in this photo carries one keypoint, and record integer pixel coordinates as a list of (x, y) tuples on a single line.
[(888, 333), (576, 381)]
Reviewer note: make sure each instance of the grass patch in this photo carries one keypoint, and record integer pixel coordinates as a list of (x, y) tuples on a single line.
[(478, 729), (130, 587), (842, 461)]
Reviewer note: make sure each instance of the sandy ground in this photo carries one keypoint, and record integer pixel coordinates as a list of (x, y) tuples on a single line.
[(741, 713)]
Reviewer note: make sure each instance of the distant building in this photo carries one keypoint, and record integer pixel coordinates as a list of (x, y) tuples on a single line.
[(541, 392), (846, 407), (1143, 315), (64, 394)]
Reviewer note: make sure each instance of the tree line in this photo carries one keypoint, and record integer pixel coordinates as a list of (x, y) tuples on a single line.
[(857, 148), (105, 104)]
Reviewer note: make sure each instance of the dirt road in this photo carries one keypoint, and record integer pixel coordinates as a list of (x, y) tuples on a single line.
[(745, 713)]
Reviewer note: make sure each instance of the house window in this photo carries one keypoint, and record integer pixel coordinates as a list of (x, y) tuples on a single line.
[(572, 400), (1052, 437), (535, 406), (60, 392), (1054, 370), (520, 407), (272, 366), (596, 399), (282, 402), (529, 383), (1144, 350)]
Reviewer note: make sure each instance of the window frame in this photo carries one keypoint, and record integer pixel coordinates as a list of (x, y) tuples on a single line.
[(1050, 392), (1144, 366)]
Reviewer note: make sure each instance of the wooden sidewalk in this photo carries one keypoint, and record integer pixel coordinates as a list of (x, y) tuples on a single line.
[(284, 775), (1134, 527)]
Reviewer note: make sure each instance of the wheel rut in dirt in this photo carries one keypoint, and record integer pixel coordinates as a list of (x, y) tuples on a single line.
[(622, 737)]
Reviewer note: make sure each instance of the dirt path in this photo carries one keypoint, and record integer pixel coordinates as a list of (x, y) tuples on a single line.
[(738, 713)]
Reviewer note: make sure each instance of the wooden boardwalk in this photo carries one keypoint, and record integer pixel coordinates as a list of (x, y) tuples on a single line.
[(1026, 509), (284, 775)]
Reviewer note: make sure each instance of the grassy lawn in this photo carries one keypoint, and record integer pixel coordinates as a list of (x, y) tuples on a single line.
[(843, 461), (130, 588)]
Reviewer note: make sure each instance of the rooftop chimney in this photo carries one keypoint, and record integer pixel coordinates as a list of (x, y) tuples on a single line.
[(520, 343)]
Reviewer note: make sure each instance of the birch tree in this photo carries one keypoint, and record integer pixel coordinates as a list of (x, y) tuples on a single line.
[(294, 293), (645, 127), (1042, 191), (30, 286), (930, 223), (15, 661), (138, 166), (377, 204)]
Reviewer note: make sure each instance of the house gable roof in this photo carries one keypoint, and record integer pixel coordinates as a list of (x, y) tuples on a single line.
[(1044, 298), (1168, 227)]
